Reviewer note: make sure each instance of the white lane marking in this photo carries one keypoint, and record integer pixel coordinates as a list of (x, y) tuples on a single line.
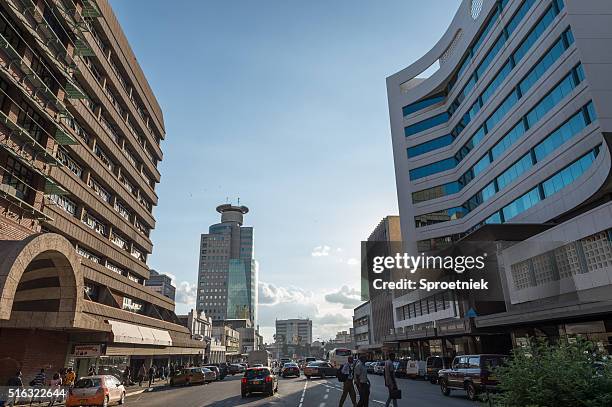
[(303, 394), (322, 404), (379, 402), (325, 397)]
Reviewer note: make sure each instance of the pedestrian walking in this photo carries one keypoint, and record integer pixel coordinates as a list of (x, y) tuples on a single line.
[(152, 375), (70, 378), (38, 381), (362, 382), (126, 376), (55, 384), (14, 382), (391, 382), (346, 374), (142, 372)]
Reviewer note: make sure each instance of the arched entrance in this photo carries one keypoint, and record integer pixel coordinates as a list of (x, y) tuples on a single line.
[(41, 295)]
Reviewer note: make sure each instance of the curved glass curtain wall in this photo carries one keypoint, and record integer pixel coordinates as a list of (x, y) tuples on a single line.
[(530, 39)]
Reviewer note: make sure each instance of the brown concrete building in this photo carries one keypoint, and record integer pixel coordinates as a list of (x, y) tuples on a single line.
[(80, 133)]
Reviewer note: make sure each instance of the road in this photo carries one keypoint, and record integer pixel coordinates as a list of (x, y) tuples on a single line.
[(296, 393)]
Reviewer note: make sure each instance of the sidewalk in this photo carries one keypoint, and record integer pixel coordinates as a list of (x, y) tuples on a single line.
[(129, 391)]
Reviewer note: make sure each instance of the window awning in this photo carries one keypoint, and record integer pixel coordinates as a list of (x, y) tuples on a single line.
[(138, 334)]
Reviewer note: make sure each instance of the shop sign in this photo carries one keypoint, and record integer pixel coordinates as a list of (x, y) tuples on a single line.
[(87, 351)]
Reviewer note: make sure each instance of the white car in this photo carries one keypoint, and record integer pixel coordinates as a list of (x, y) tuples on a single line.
[(379, 368)]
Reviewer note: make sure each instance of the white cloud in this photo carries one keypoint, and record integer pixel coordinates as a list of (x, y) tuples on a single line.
[(333, 319), (320, 251), (270, 294), (348, 297), (352, 262), (186, 293)]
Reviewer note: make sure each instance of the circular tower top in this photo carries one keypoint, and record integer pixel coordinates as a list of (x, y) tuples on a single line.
[(232, 213)]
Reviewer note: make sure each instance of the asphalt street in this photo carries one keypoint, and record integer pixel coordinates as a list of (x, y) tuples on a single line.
[(295, 392)]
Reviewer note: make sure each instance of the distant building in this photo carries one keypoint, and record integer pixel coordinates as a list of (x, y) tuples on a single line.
[(229, 337), (249, 337), (162, 284), (227, 278), (343, 339), (294, 331), (362, 327), (374, 319)]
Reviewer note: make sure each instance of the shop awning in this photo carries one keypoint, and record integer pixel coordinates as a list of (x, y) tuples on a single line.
[(138, 334)]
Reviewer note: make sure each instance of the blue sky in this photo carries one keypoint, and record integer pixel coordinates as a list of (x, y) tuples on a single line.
[(283, 104)]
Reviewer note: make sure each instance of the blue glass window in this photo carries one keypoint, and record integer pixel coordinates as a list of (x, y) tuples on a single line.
[(481, 165), (569, 129), (533, 35), (426, 124), (486, 61), (439, 216), (521, 204), (509, 139), (430, 145), (518, 16), (435, 192), (542, 66), (433, 168), (569, 174), (591, 111), (422, 104), (498, 80), (488, 191), (553, 97), (493, 219), (501, 111), (483, 34), (514, 171)]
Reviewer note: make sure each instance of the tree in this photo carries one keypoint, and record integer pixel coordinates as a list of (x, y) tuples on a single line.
[(570, 373)]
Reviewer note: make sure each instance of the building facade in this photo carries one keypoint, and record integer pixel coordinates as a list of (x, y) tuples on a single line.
[(228, 273), (385, 240), (362, 327), (80, 137), (294, 331), (161, 284), (229, 338), (507, 141)]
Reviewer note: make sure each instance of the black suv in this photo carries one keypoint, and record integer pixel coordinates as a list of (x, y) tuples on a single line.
[(472, 373), (434, 365)]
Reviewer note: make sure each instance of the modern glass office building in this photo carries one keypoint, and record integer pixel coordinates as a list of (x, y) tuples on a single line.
[(506, 140), (227, 279)]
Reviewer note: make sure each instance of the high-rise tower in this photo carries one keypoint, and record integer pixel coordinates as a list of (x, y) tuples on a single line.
[(227, 278)]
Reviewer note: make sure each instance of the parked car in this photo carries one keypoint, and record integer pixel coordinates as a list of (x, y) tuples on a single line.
[(223, 369), (190, 375), (290, 369), (379, 368), (96, 391), (235, 368), (216, 370), (258, 380), (370, 366), (319, 369), (434, 365), (209, 375), (472, 373)]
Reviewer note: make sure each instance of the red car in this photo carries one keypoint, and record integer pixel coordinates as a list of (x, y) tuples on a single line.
[(290, 369)]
